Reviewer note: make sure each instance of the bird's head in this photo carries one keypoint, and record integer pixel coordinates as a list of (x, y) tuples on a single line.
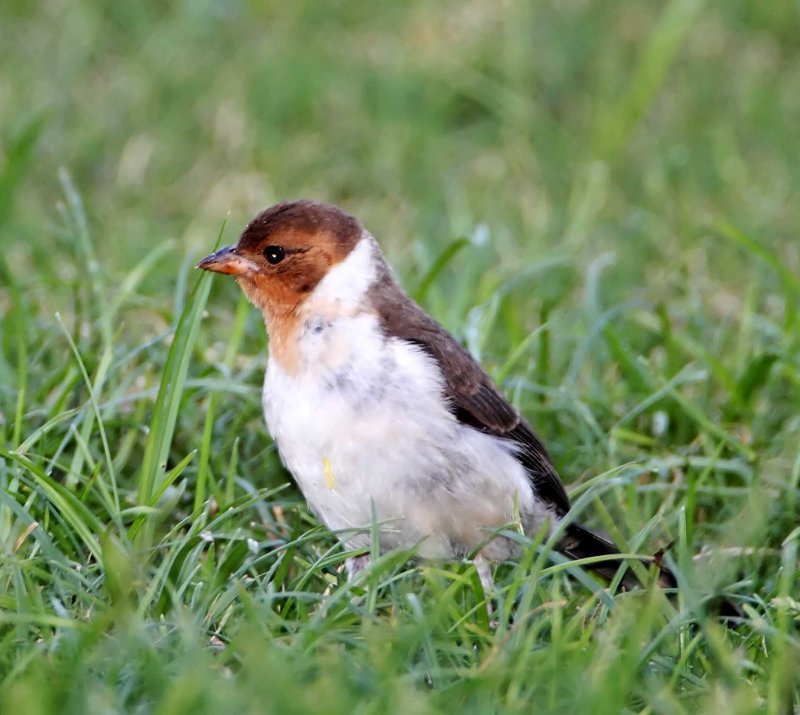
[(284, 253)]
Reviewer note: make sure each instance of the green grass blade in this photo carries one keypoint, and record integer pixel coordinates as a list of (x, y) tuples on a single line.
[(85, 524), (165, 412)]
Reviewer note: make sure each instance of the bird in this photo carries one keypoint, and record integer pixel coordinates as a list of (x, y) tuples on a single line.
[(382, 417)]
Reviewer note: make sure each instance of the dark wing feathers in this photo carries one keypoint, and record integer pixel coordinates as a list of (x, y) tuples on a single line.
[(476, 402), (474, 398)]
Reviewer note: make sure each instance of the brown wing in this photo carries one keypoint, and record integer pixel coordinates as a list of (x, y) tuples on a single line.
[(474, 398)]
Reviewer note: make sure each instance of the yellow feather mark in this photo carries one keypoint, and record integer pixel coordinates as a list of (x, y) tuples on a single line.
[(327, 471)]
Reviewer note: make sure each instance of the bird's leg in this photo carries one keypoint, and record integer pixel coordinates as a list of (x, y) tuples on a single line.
[(485, 575), (355, 564)]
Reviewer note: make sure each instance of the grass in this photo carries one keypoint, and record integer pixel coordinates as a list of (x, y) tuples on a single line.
[(598, 198)]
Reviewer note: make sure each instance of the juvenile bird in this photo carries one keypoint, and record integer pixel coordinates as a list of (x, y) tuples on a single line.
[(374, 406)]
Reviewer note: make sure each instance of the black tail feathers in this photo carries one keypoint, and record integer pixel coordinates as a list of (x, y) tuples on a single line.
[(582, 543)]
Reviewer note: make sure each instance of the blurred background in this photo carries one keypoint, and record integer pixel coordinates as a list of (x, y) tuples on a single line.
[(646, 143), (600, 198), (569, 126), (520, 162)]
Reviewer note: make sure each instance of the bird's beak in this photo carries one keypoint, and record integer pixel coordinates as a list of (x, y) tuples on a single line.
[(226, 260)]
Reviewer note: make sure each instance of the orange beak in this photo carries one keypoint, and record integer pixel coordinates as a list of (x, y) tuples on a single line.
[(227, 260)]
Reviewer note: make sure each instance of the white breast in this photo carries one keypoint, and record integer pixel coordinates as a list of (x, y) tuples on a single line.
[(363, 424)]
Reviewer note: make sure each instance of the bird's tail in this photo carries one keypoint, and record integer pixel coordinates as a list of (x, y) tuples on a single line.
[(581, 543)]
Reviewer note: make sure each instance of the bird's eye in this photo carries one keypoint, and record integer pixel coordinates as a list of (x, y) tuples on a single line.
[(274, 254)]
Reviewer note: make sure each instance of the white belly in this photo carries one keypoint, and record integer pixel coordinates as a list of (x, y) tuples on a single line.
[(363, 426)]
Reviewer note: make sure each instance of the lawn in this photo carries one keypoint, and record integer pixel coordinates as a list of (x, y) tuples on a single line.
[(600, 199)]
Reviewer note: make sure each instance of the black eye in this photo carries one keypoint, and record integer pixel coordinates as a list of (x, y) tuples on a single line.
[(274, 254)]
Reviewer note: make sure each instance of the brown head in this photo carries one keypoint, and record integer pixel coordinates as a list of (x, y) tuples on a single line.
[(280, 258), (284, 252)]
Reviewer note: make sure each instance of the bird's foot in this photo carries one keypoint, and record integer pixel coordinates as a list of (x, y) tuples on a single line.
[(355, 565), (484, 570)]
